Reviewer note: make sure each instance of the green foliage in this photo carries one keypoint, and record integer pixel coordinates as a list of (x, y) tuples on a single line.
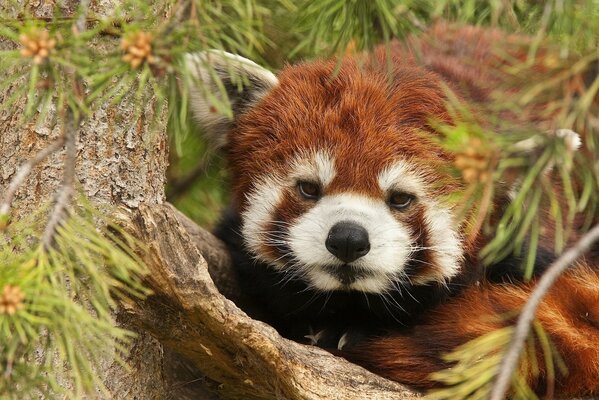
[(331, 25), (52, 344), (197, 184), (133, 57), (476, 363), (472, 376)]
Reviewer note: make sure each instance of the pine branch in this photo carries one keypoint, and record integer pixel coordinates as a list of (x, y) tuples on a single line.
[(512, 355), (65, 194), (24, 171)]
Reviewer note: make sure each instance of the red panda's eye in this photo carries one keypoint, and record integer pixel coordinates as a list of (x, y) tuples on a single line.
[(309, 190), (400, 200)]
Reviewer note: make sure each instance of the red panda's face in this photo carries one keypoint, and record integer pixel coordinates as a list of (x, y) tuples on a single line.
[(339, 182)]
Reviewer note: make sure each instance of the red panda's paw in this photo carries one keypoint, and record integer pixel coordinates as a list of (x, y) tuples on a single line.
[(340, 337)]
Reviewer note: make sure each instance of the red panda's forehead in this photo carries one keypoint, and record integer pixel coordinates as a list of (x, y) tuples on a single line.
[(363, 120)]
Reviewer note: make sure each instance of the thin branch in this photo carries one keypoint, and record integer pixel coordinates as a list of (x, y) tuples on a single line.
[(512, 355), (80, 24), (25, 170), (63, 197), (67, 187), (180, 186)]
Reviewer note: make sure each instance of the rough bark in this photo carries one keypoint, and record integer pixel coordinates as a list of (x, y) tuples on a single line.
[(190, 337), (189, 315), (114, 167)]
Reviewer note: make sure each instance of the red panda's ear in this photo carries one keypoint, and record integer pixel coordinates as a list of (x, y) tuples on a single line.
[(217, 77)]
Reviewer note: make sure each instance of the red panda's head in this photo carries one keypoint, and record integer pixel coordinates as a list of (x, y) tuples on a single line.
[(336, 174)]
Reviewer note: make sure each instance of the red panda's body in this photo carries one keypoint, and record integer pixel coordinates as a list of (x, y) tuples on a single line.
[(338, 222)]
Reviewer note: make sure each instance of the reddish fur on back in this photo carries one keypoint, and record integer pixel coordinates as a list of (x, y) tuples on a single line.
[(569, 314)]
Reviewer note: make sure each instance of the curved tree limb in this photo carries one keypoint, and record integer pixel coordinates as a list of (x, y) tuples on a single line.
[(190, 316)]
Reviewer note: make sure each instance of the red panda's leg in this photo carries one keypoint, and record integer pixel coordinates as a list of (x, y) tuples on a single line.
[(569, 314)]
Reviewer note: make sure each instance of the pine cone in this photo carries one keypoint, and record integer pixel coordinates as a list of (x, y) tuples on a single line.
[(138, 47), (11, 299), (474, 162), (37, 45)]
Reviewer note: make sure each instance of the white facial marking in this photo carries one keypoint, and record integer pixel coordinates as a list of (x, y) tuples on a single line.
[(401, 176), (375, 284), (262, 202), (445, 242), (322, 280), (318, 167), (390, 243), (389, 240), (267, 194)]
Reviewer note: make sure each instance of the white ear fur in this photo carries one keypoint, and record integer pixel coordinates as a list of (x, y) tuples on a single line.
[(217, 76)]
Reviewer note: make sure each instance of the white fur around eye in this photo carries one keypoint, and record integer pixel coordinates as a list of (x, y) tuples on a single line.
[(446, 243), (318, 167), (401, 176), (391, 244), (262, 203), (267, 194)]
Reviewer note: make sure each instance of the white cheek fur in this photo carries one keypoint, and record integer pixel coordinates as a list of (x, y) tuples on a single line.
[(390, 242), (262, 202), (267, 194), (446, 243)]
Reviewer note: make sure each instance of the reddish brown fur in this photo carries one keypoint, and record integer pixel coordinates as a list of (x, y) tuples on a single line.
[(569, 313), (367, 121), (353, 114)]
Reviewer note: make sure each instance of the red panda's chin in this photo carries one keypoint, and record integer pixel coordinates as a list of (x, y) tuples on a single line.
[(327, 279)]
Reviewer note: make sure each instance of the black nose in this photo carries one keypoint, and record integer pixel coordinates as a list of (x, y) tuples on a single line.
[(348, 241)]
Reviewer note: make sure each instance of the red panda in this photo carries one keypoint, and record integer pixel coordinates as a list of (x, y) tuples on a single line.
[(338, 224)]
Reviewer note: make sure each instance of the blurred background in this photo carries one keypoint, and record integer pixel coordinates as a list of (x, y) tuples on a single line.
[(276, 32)]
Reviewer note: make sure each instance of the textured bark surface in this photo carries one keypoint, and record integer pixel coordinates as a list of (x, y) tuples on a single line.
[(114, 167), (189, 315), (192, 341)]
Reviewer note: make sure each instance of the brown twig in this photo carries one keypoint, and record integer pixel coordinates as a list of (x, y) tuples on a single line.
[(512, 355), (24, 171), (67, 187), (181, 185), (63, 197)]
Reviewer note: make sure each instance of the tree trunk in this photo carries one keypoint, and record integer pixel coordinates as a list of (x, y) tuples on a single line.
[(191, 340), (115, 167)]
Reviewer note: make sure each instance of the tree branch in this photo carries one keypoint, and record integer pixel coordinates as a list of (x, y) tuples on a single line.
[(512, 355), (180, 186), (66, 190), (190, 316), (24, 171)]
